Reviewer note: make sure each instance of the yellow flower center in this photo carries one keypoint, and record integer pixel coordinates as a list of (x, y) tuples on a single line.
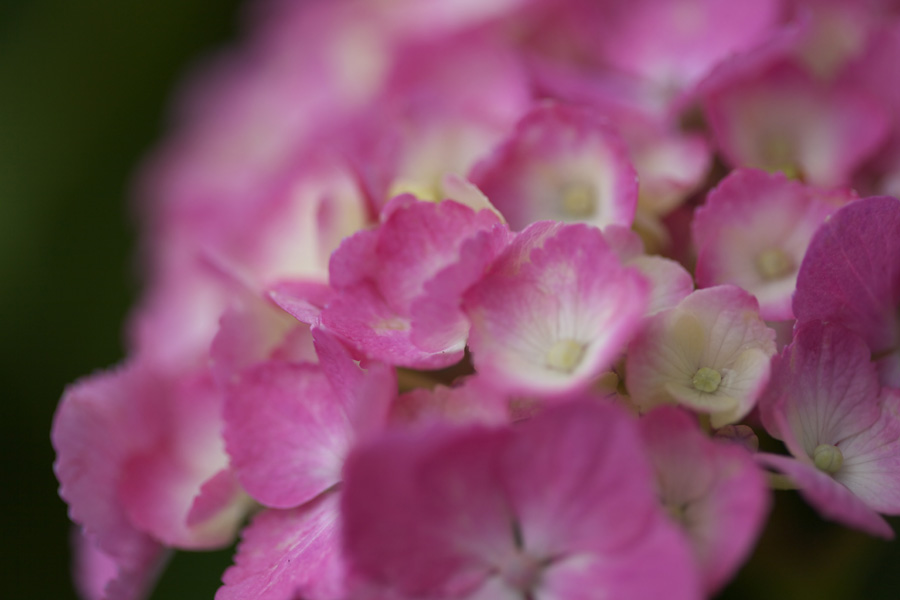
[(565, 355), (579, 200)]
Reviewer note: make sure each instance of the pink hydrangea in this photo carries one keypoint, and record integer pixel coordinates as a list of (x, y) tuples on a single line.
[(843, 429), (498, 513)]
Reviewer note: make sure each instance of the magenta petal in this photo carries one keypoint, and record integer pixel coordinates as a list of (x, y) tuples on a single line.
[(656, 567), (286, 433), (423, 512), (289, 554), (851, 273), (364, 390), (570, 469), (418, 262), (438, 321), (831, 498)]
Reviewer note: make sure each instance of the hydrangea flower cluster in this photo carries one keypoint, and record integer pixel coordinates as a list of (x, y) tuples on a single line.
[(420, 317)]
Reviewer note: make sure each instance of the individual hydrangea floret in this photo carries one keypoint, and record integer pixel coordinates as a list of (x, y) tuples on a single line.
[(554, 311), (399, 286), (714, 490), (533, 511), (562, 163), (674, 43), (753, 232), (774, 115), (843, 429), (710, 353)]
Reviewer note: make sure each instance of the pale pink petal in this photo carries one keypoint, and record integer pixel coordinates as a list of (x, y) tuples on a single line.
[(823, 390), (829, 497), (676, 42), (289, 554), (160, 483), (549, 319), (252, 330), (670, 283), (562, 163), (753, 232), (710, 353), (779, 117), (134, 449), (871, 466)]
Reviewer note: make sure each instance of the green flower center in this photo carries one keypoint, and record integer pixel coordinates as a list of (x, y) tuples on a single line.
[(707, 380)]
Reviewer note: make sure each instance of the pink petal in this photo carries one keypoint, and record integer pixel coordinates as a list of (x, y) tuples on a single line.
[(717, 329), (823, 390), (871, 466), (829, 497), (776, 116), (418, 262), (753, 232), (286, 433), (100, 576), (441, 491), (569, 297), (562, 163), (720, 494), (676, 42), (364, 389), (289, 554)]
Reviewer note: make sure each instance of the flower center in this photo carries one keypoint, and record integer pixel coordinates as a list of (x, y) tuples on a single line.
[(522, 572), (565, 355), (828, 458), (774, 263), (579, 200), (707, 380)]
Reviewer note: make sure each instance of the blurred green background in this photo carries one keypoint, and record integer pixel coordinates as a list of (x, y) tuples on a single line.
[(83, 92)]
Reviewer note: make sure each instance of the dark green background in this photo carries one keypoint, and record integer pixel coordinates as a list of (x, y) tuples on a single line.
[(83, 90)]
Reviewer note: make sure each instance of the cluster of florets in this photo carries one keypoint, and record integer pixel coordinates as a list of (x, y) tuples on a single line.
[(420, 318)]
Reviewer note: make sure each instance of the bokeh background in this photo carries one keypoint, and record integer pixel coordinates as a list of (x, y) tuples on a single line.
[(84, 87)]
